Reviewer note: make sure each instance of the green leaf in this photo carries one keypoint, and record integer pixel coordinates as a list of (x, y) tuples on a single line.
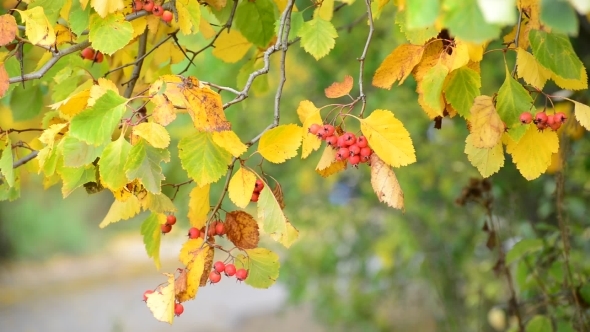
[(50, 7), (415, 36), (560, 16), (539, 324), (79, 18), (433, 84), (465, 21), (421, 14), (150, 229), (270, 215), (513, 99), (522, 248), (555, 52), (6, 162), (77, 153), (461, 88), (144, 164), (203, 160), (262, 265), (159, 203), (95, 125), (76, 177), (10, 193), (255, 20), (318, 37), (26, 103), (563, 326), (112, 163), (110, 34)]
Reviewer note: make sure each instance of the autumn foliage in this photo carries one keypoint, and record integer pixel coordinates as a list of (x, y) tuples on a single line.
[(107, 68)]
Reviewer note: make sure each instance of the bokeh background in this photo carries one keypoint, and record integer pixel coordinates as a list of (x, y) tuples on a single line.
[(358, 265)]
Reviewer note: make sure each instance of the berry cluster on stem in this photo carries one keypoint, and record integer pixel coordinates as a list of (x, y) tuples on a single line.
[(229, 270), (543, 120), (170, 221), (258, 186), (215, 228), (348, 147), (155, 9), (90, 54)]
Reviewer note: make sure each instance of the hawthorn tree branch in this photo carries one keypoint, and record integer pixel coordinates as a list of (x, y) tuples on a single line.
[(137, 69), (25, 159), (363, 57)]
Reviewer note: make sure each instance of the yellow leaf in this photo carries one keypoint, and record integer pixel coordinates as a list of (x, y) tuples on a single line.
[(198, 206), (205, 28), (216, 4), (385, 184), (289, 237), (158, 203), (171, 87), (572, 84), (242, 229), (97, 90), (325, 10), (139, 25), (241, 187), (582, 113), (388, 138), (161, 302), (530, 70), (48, 153), (308, 115), (328, 164), (38, 28), (194, 255), (228, 140), (460, 56), (280, 143), (156, 135), (532, 153), (73, 104), (204, 106), (488, 161), (164, 112), (434, 56), (231, 46), (63, 35), (475, 51), (398, 65), (338, 89), (105, 7), (486, 126), (121, 211)]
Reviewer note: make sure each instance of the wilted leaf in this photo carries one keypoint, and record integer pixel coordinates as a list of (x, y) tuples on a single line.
[(8, 30), (194, 256), (242, 229), (164, 112), (4, 80), (204, 106), (385, 184), (278, 192), (339, 89)]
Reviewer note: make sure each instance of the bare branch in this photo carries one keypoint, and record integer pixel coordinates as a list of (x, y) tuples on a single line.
[(25, 159), (137, 69), (363, 56)]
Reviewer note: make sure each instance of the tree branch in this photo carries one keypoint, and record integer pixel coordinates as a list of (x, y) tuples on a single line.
[(25, 159), (363, 56), (137, 69)]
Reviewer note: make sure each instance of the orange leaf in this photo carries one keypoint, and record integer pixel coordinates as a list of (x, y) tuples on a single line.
[(242, 229), (398, 65), (338, 89), (204, 106), (8, 29), (3, 80)]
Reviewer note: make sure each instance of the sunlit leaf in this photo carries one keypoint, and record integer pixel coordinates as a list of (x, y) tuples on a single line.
[(241, 187), (198, 206), (532, 153), (121, 211), (398, 65), (280, 143), (318, 37), (156, 135)]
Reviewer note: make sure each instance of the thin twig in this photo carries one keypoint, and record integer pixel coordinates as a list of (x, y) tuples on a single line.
[(139, 58), (137, 69), (363, 56), (25, 159), (516, 37)]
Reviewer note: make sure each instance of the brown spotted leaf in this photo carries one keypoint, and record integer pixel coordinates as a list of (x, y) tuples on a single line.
[(278, 192), (242, 229)]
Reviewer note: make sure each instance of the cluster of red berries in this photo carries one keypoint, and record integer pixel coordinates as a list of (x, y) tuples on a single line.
[(544, 121), (90, 54), (229, 270), (178, 307), (216, 228), (156, 10), (170, 221), (258, 186), (347, 146)]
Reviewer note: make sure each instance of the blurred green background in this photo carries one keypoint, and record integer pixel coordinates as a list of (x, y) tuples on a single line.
[(361, 265)]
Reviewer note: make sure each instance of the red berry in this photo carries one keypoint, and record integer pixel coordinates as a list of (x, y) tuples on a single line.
[(87, 53), (349, 138), (555, 125), (560, 117), (137, 5), (361, 141), (178, 309), (342, 154), (214, 277), (258, 186), (365, 159), (254, 197), (329, 129), (98, 57), (366, 152), (550, 119), (341, 142), (148, 5), (146, 293), (354, 160), (230, 270), (167, 16), (314, 128), (157, 10), (526, 118), (241, 274), (220, 228), (541, 125), (166, 228), (332, 140), (170, 220), (354, 149), (541, 117), (219, 266), (323, 134), (193, 233)]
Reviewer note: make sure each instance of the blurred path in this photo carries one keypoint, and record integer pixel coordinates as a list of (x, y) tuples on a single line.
[(104, 293)]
